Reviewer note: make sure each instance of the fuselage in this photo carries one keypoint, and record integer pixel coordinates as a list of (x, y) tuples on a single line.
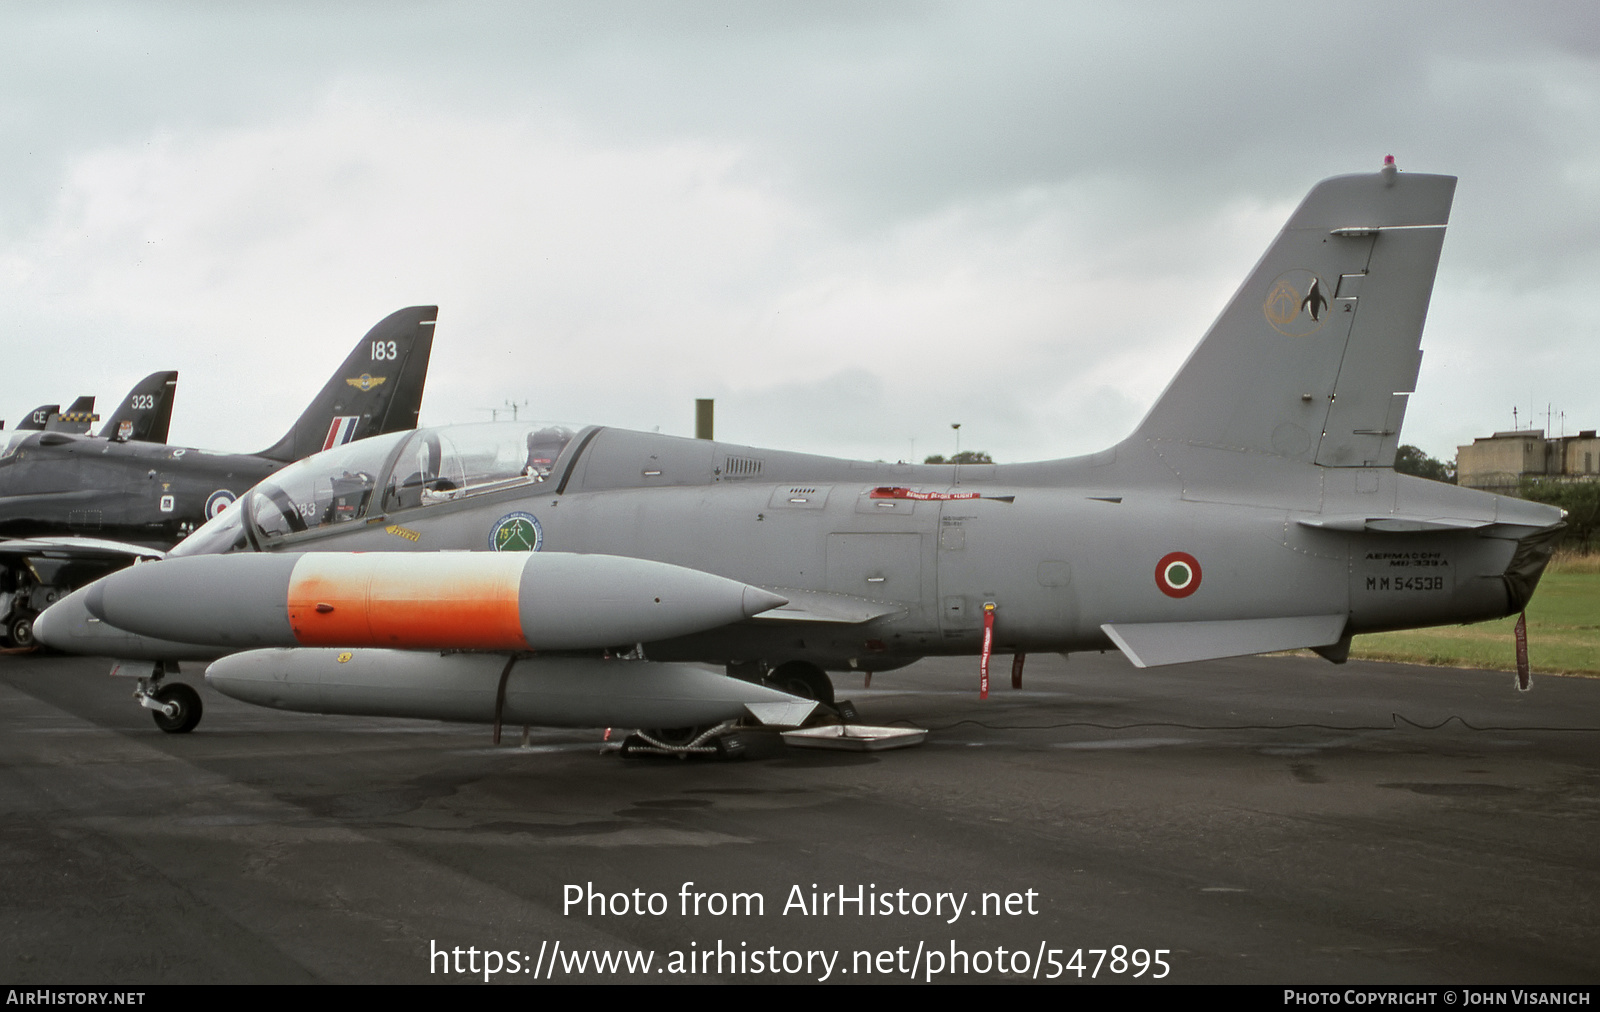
[(54, 483), (886, 563)]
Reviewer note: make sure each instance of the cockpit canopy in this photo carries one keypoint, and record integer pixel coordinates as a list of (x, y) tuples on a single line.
[(383, 474)]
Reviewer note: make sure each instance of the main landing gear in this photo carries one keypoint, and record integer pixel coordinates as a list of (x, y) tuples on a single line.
[(803, 679), (19, 629), (721, 740)]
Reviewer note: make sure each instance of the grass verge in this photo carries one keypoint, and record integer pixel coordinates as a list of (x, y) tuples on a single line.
[(1563, 631)]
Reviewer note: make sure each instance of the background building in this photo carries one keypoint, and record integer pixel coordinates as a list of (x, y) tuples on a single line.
[(1500, 462)]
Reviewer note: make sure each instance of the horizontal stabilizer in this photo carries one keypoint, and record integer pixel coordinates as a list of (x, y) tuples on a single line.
[(1152, 644), (1393, 523), (821, 606)]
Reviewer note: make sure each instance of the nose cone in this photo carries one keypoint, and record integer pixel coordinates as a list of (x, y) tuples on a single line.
[(64, 624), (757, 601)]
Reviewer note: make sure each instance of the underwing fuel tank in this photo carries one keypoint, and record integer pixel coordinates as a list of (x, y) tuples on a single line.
[(543, 691), (420, 601)]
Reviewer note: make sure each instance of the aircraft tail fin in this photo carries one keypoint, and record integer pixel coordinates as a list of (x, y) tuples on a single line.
[(76, 419), (378, 388), (145, 415), (1315, 355), (39, 417)]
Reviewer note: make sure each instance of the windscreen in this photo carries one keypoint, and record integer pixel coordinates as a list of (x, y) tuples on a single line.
[(332, 487), (222, 533), (452, 462)]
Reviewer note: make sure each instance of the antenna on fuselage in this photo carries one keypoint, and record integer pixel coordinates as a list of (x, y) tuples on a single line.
[(956, 460)]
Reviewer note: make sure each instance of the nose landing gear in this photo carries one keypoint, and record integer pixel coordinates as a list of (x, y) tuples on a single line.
[(176, 708)]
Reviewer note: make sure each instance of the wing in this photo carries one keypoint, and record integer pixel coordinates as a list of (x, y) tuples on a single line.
[(78, 549)]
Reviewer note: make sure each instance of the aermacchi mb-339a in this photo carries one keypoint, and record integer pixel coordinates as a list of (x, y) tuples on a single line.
[(75, 506), (563, 576)]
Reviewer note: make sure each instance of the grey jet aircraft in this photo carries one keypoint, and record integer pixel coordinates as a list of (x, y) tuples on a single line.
[(1254, 509), (75, 506)]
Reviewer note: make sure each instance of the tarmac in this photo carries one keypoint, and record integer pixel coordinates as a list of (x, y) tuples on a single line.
[(1261, 820)]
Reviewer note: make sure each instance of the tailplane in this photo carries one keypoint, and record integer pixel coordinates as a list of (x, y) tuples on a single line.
[(145, 415), (378, 388), (1316, 354)]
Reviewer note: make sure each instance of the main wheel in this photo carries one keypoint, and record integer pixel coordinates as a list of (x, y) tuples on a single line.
[(675, 737), (803, 679), (21, 630), (189, 709)]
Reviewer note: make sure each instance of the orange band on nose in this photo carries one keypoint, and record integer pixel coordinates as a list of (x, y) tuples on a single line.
[(466, 601)]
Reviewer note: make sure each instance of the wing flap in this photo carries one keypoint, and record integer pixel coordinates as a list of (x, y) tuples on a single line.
[(1152, 644)]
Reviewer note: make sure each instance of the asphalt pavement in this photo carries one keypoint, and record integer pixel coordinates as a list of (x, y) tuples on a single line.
[(1276, 819)]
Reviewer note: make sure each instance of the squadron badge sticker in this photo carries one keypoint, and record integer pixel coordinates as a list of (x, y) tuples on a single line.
[(1178, 574), (517, 532), (1297, 304)]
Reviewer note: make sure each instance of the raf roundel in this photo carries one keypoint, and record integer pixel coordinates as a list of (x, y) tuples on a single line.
[(218, 501), (516, 532), (1178, 574)]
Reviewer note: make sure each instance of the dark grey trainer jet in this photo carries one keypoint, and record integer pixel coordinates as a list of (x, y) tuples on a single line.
[(144, 415), (76, 506), (1254, 509), (39, 417), (77, 419)]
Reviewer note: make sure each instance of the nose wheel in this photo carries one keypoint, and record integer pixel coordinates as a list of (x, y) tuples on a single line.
[(175, 708)]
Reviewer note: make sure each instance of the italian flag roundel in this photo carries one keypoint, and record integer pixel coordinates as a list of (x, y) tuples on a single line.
[(1178, 574)]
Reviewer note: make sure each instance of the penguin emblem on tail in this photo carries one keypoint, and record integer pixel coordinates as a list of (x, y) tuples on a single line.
[(1297, 303), (1315, 302)]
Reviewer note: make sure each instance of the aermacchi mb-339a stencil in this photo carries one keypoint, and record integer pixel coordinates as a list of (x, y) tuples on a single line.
[(551, 575)]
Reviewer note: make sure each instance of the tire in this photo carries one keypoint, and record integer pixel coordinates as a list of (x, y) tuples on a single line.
[(803, 679), (189, 709), (674, 736), (20, 629)]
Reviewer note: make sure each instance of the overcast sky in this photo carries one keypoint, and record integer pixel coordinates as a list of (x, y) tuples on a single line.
[(851, 223)]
